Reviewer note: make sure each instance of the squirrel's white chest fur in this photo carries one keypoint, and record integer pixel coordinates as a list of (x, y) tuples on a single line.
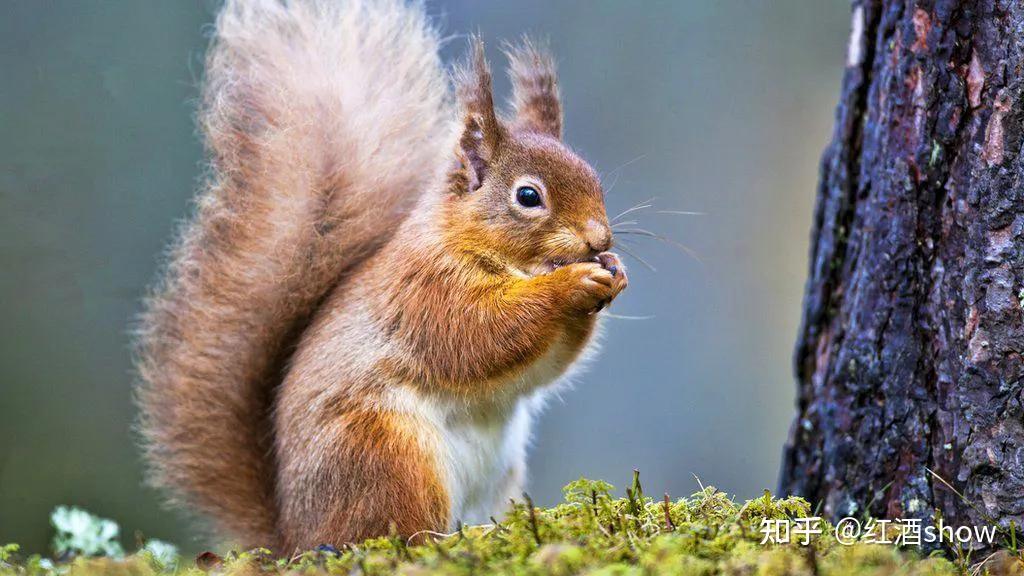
[(481, 457), (481, 454), (484, 460)]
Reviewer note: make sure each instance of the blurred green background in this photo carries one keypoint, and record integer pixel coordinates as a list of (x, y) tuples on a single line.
[(714, 107)]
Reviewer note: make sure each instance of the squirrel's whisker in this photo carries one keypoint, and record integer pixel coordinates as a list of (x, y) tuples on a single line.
[(678, 245), (681, 212), (618, 170), (622, 317), (624, 247), (639, 232), (624, 223), (638, 206)]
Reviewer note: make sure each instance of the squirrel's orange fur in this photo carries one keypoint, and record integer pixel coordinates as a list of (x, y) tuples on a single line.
[(354, 328)]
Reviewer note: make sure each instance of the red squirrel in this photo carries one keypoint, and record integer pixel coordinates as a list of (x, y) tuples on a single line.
[(382, 278)]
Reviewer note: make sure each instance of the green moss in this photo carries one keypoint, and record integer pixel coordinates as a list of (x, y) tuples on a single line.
[(592, 532)]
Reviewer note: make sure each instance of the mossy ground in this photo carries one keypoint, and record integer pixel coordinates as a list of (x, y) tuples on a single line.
[(591, 532)]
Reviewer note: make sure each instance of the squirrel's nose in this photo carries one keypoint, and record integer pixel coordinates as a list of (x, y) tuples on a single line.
[(598, 236)]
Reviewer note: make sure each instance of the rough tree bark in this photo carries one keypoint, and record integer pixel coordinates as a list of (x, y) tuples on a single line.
[(909, 358)]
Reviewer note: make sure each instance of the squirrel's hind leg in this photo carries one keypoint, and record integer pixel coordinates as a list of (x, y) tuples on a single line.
[(360, 475)]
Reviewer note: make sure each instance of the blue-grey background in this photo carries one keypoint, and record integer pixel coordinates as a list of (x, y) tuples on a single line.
[(718, 107)]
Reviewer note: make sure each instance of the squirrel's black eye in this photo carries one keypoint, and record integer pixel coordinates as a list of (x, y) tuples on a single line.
[(528, 196)]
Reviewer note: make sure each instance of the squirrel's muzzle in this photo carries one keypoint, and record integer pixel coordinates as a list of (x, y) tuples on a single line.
[(598, 236)]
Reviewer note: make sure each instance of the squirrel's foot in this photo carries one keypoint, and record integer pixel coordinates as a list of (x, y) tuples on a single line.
[(611, 262), (595, 284)]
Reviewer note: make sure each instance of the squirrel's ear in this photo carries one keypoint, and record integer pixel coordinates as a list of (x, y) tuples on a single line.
[(534, 88), (482, 132)]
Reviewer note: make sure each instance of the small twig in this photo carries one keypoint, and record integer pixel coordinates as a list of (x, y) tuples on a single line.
[(973, 506), (633, 510), (977, 567), (439, 535), (1013, 536), (533, 518), (669, 526), (498, 526)]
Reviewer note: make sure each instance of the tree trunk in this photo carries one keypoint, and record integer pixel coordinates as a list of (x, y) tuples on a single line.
[(909, 359)]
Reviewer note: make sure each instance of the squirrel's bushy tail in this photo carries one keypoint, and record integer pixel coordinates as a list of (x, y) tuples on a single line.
[(323, 122)]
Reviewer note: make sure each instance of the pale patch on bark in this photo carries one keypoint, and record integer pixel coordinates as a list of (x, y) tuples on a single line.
[(920, 104), (999, 296), (975, 80), (972, 323), (979, 347), (922, 24), (993, 151), (999, 241), (855, 51)]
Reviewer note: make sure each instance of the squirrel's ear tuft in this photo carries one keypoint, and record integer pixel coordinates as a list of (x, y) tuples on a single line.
[(534, 88), (482, 132)]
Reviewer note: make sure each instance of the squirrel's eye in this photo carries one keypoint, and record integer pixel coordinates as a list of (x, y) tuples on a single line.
[(528, 196)]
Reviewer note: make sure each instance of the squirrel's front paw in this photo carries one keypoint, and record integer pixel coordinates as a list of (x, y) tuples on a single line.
[(597, 283)]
